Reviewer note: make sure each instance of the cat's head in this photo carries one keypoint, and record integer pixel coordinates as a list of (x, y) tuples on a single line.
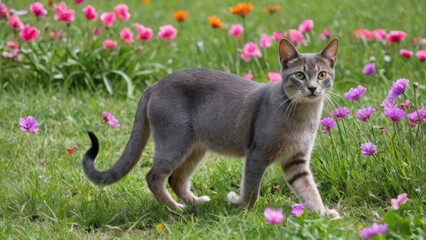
[(308, 76)]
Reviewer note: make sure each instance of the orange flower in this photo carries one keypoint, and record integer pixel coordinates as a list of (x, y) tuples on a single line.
[(180, 15), (146, 2), (50, 2), (215, 22), (241, 9), (271, 9)]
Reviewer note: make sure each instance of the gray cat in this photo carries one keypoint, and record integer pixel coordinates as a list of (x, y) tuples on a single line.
[(193, 110)]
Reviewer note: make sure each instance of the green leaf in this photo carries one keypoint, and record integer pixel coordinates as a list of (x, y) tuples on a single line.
[(107, 84), (128, 82)]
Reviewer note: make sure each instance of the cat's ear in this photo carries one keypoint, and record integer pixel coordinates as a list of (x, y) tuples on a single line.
[(330, 51), (287, 52)]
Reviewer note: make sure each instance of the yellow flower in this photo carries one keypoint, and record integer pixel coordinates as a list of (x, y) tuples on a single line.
[(360, 227), (215, 22), (160, 227), (241, 9)]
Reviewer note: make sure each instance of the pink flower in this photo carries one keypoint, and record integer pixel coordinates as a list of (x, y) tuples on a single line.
[(38, 9), (274, 216), (126, 35), (28, 124), (248, 76), (340, 113), (109, 44), (15, 22), (380, 35), (417, 117), (406, 53), (79, 1), (167, 32), (29, 34), (394, 113), (90, 13), (306, 26), (265, 41), (252, 50), (144, 33), (326, 34), (12, 45), (97, 31), (53, 36), (122, 11), (355, 93), (327, 123), (110, 119), (71, 150), (236, 30), (63, 14), (421, 55), (297, 210), (3, 11), (108, 19), (368, 149), (364, 114), (400, 200), (364, 33), (296, 37), (277, 36), (245, 57), (274, 76), (396, 36), (374, 230)]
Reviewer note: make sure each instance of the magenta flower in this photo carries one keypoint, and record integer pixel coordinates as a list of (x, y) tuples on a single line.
[(406, 53), (274, 216), (79, 1), (296, 37), (144, 33), (167, 32), (15, 22), (63, 14), (369, 69), (90, 13), (398, 88), (368, 149), (122, 11), (108, 19), (421, 55), (126, 35), (274, 76), (109, 44), (297, 210), (374, 230), (3, 11), (250, 50), (248, 76), (396, 36), (394, 113), (265, 41), (340, 113), (355, 93), (400, 200), (326, 34), (236, 30), (38, 9), (364, 114), (28, 124), (306, 26), (327, 123), (110, 119), (277, 36), (29, 34), (417, 117), (380, 35)]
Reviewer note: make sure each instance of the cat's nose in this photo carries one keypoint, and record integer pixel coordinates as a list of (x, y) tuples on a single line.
[(312, 89)]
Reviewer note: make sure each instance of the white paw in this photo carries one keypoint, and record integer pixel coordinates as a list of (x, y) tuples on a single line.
[(180, 207), (202, 200), (233, 198), (331, 213)]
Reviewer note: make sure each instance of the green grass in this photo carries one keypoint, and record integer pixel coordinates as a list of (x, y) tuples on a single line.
[(44, 193)]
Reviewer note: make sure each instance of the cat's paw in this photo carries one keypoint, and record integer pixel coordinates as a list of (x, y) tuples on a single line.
[(233, 198), (202, 200), (332, 213), (180, 207)]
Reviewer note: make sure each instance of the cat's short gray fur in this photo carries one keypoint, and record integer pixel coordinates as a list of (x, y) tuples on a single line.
[(193, 110)]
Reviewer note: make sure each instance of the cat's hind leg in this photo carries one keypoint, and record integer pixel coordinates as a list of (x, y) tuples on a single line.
[(180, 180)]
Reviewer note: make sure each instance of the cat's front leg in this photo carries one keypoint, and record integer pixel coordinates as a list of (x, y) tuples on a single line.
[(254, 169), (299, 177)]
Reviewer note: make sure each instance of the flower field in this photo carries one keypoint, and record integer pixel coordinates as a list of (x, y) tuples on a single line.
[(77, 65)]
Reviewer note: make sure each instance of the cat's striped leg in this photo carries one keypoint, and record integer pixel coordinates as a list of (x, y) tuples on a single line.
[(299, 177)]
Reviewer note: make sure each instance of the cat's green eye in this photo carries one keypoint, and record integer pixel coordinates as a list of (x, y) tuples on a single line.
[(299, 75), (322, 75)]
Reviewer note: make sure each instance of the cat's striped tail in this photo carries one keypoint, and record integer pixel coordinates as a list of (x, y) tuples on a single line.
[(131, 154)]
